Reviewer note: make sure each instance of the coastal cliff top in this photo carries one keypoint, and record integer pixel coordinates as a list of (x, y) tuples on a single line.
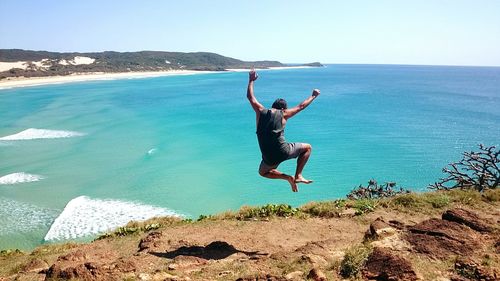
[(427, 236)]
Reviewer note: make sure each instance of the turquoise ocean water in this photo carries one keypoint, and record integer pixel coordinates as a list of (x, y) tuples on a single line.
[(187, 145)]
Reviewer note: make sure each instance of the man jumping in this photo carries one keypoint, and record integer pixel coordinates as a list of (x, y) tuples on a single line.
[(271, 135)]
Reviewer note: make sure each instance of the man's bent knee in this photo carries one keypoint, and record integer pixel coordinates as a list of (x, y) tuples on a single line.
[(262, 172), (306, 147)]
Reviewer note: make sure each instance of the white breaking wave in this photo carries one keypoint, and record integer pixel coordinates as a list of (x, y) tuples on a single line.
[(18, 217), (84, 216), (31, 134), (152, 151), (19, 178)]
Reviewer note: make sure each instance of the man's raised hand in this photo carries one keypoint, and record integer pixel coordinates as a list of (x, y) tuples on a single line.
[(252, 75), (315, 93)]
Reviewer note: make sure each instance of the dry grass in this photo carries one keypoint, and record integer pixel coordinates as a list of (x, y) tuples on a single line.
[(354, 259), (325, 209)]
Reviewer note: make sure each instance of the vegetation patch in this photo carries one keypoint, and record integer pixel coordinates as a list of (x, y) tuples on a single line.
[(354, 259), (363, 206), (10, 253), (477, 170), (491, 195), (374, 190), (269, 210), (437, 200), (134, 227), (409, 201), (466, 196), (53, 249), (325, 209)]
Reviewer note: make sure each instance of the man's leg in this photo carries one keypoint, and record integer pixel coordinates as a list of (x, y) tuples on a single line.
[(275, 174), (301, 162)]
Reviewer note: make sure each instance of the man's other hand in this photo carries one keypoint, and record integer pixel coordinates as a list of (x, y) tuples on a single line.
[(252, 75), (315, 93)]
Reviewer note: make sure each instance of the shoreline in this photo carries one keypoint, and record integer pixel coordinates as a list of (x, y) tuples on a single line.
[(80, 77), (17, 82)]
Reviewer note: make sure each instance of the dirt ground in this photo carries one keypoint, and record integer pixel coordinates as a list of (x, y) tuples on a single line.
[(264, 249)]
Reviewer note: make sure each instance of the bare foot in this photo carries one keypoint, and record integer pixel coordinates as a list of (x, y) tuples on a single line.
[(291, 180), (301, 179)]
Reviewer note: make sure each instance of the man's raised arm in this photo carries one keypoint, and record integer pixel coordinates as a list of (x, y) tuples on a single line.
[(289, 113), (252, 76)]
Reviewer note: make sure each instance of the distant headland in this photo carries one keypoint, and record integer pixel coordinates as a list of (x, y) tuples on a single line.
[(17, 63)]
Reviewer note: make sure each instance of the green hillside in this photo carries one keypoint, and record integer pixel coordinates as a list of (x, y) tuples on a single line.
[(43, 63)]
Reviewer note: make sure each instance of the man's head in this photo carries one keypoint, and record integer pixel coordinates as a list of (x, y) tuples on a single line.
[(280, 104)]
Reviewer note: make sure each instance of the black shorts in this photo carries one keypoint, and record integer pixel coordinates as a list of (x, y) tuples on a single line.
[(294, 152)]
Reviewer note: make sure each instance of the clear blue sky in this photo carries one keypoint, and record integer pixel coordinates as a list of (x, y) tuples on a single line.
[(449, 32)]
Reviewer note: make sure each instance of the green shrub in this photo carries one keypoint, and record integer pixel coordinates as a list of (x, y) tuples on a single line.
[(410, 200), (11, 252), (327, 209), (152, 226), (269, 210), (130, 229), (204, 217), (124, 231), (374, 190), (354, 259), (437, 200), (363, 206)]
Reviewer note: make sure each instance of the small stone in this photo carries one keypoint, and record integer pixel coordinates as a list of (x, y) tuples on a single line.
[(316, 275), (315, 260), (172, 266), (350, 212), (144, 276), (78, 255), (225, 273), (296, 275), (379, 229), (150, 241), (160, 276), (128, 275), (35, 265)]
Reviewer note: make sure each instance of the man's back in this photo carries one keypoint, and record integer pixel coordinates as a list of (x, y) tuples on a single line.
[(270, 133)]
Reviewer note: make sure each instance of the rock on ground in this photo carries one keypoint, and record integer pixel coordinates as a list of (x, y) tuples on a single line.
[(440, 238), (384, 265), (468, 218)]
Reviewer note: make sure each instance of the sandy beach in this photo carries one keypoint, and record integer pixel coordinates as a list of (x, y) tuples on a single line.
[(36, 81), (15, 82)]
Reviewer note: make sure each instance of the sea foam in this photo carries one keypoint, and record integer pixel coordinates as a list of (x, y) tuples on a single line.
[(152, 151), (19, 217), (32, 133), (84, 216), (21, 177)]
